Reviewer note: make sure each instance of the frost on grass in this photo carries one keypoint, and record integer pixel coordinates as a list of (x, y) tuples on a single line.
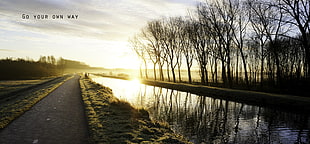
[(113, 121)]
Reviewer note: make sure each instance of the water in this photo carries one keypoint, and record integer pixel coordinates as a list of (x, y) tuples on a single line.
[(207, 120)]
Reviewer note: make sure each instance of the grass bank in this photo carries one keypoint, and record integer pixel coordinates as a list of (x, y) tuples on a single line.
[(18, 102), (113, 121)]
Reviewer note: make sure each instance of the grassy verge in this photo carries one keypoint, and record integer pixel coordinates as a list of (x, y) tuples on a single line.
[(23, 101), (113, 121)]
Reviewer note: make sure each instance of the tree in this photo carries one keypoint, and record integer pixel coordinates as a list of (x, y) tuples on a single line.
[(153, 34), (139, 48), (270, 18), (256, 17), (240, 31), (169, 45), (298, 15), (220, 18), (187, 47)]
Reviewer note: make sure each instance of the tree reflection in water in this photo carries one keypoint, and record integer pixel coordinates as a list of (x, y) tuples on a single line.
[(208, 120)]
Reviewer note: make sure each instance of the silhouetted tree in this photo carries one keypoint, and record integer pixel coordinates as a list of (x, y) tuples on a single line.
[(186, 46), (249, 42), (297, 13), (139, 48)]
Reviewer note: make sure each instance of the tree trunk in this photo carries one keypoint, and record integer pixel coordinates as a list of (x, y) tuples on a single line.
[(245, 69), (202, 75), (161, 72), (154, 70), (262, 68), (189, 71), (206, 75), (224, 73), (189, 74), (168, 73), (179, 71), (229, 73), (173, 72), (237, 67), (215, 70), (145, 64)]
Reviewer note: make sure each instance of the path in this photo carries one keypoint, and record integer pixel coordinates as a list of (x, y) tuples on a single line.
[(58, 118)]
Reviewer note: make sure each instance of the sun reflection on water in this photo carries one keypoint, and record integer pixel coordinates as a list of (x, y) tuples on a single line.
[(122, 89), (135, 83), (132, 87)]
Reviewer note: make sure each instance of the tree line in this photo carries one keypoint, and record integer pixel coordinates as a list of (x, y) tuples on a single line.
[(247, 43), (45, 66)]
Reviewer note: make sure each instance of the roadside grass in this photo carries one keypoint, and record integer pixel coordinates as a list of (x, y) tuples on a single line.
[(111, 120), (10, 109)]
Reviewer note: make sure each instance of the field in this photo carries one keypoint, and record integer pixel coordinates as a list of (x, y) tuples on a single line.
[(11, 86)]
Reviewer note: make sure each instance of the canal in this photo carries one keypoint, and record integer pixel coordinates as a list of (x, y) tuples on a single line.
[(208, 120)]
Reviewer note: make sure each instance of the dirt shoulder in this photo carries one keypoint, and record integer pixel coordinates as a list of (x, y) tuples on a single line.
[(113, 121)]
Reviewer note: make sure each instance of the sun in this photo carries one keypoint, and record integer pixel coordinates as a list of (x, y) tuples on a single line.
[(129, 61)]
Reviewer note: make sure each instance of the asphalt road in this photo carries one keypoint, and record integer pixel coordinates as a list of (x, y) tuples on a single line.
[(59, 118)]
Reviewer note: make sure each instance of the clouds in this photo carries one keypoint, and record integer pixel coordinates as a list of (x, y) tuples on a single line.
[(6, 50), (104, 19), (109, 21)]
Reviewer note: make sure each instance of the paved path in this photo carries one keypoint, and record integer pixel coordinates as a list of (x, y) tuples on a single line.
[(57, 119)]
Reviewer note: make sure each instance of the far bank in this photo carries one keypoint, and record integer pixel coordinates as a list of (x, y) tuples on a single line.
[(278, 101)]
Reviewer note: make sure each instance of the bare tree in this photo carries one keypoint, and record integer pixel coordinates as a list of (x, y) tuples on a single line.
[(169, 44), (245, 40), (242, 20), (155, 30), (198, 41), (270, 19), (139, 48), (179, 42), (256, 17), (187, 47), (220, 16), (298, 13)]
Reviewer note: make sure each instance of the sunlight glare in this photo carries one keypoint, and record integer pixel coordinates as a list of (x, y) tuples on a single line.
[(135, 81), (129, 61), (132, 87)]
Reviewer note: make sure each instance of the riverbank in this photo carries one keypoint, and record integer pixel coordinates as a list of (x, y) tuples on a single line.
[(113, 121), (284, 102), (287, 102)]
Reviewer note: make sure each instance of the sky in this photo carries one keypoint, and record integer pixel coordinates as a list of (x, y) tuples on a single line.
[(96, 32)]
